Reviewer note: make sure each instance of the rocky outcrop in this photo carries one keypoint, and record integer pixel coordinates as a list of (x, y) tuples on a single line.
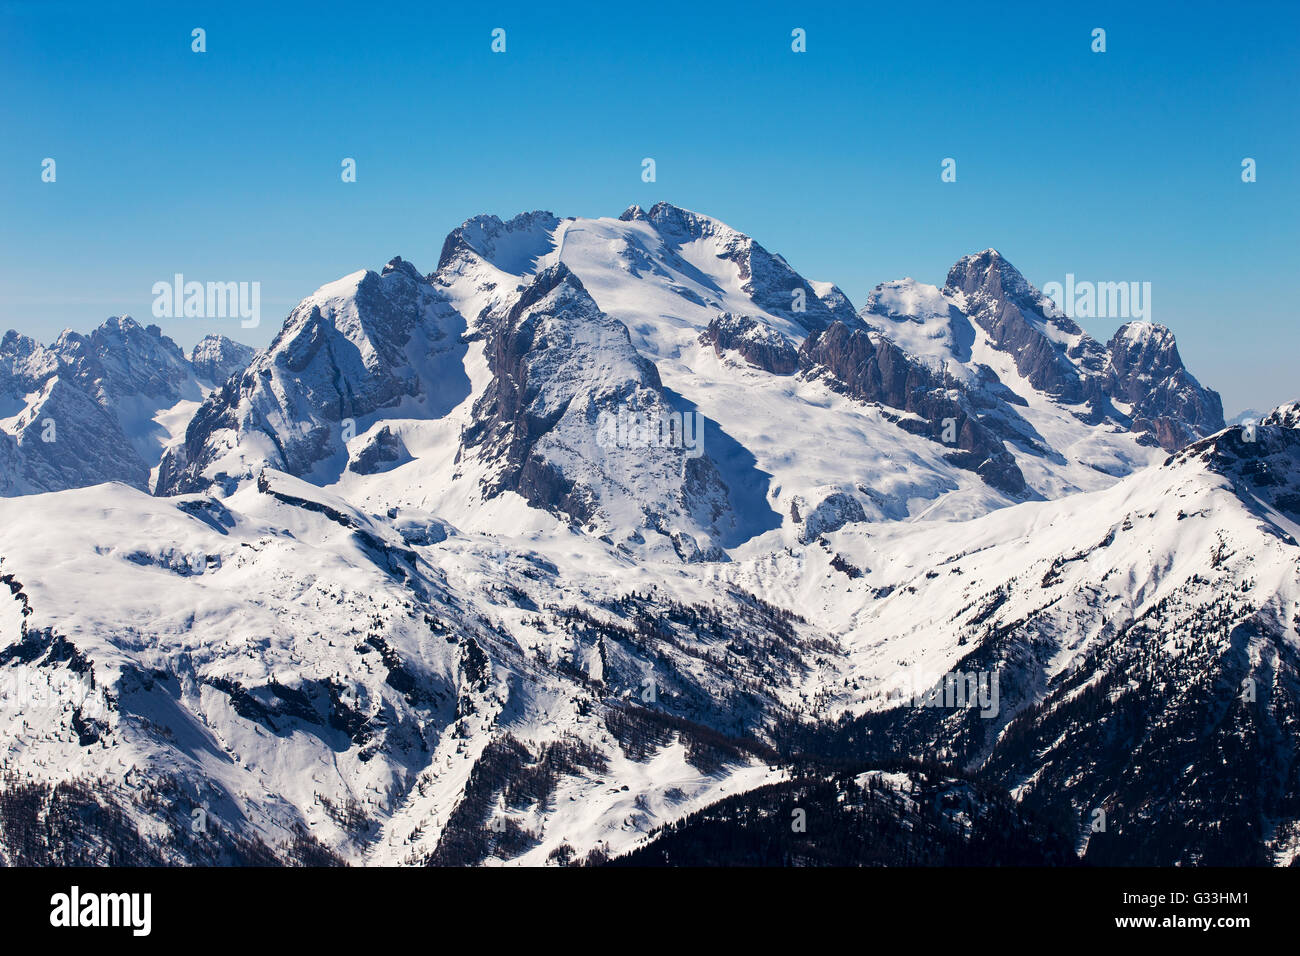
[(870, 368), (758, 344), (832, 513), (1146, 372), (1284, 416), (384, 451), (553, 425), (368, 344)]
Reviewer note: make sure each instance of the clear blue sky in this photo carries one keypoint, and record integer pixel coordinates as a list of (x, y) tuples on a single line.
[(225, 165)]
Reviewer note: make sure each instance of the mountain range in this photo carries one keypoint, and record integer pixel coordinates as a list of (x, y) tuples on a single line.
[(387, 592)]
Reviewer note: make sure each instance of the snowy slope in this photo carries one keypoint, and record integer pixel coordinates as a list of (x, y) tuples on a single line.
[(398, 600), (277, 646)]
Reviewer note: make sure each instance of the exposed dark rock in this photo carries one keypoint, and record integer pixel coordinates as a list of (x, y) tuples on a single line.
[(758, 344), (832, 513), (383, 452), (1017, 317), (562, 371), (870, 368), (1147, 373)]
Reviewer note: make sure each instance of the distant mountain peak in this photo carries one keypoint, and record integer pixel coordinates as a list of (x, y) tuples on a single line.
[(1286, 415), (512, 245), (988, 275), (398, 264), (216, 357)]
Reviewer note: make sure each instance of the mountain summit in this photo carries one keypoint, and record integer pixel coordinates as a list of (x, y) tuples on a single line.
[(610, 535)]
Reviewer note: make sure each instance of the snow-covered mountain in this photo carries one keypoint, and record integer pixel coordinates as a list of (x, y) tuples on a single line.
[(215, 358), (103, 406), (987, 313), (786, 392), (420, 584)]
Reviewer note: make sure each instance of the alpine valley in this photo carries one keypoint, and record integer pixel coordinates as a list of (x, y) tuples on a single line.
[(381, 594)]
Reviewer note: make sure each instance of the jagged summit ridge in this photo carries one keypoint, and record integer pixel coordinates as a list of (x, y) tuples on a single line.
[(419, 586), (101, 406), (953, 399)]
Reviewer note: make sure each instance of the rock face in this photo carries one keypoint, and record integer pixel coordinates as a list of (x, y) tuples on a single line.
[(1049, 349), (554, 425), (216, 358), (384, 451), (870, 368), (833, 512), (369, 343), (760, 345), (1147, 373), (87, 409)]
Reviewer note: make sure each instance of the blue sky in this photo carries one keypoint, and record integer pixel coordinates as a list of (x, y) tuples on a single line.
[(1122, 166)]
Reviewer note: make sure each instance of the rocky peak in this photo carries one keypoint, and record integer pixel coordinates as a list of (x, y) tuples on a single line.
[(121, 359), (684, 224), (834, 299), (1146, 372), (1049, 350), (756, 342), (512, 246), (988, 277), (1284, 416), (398, 264), (1144, 345), (25, 360), (215, 358), (16, 344), (358, 345)]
